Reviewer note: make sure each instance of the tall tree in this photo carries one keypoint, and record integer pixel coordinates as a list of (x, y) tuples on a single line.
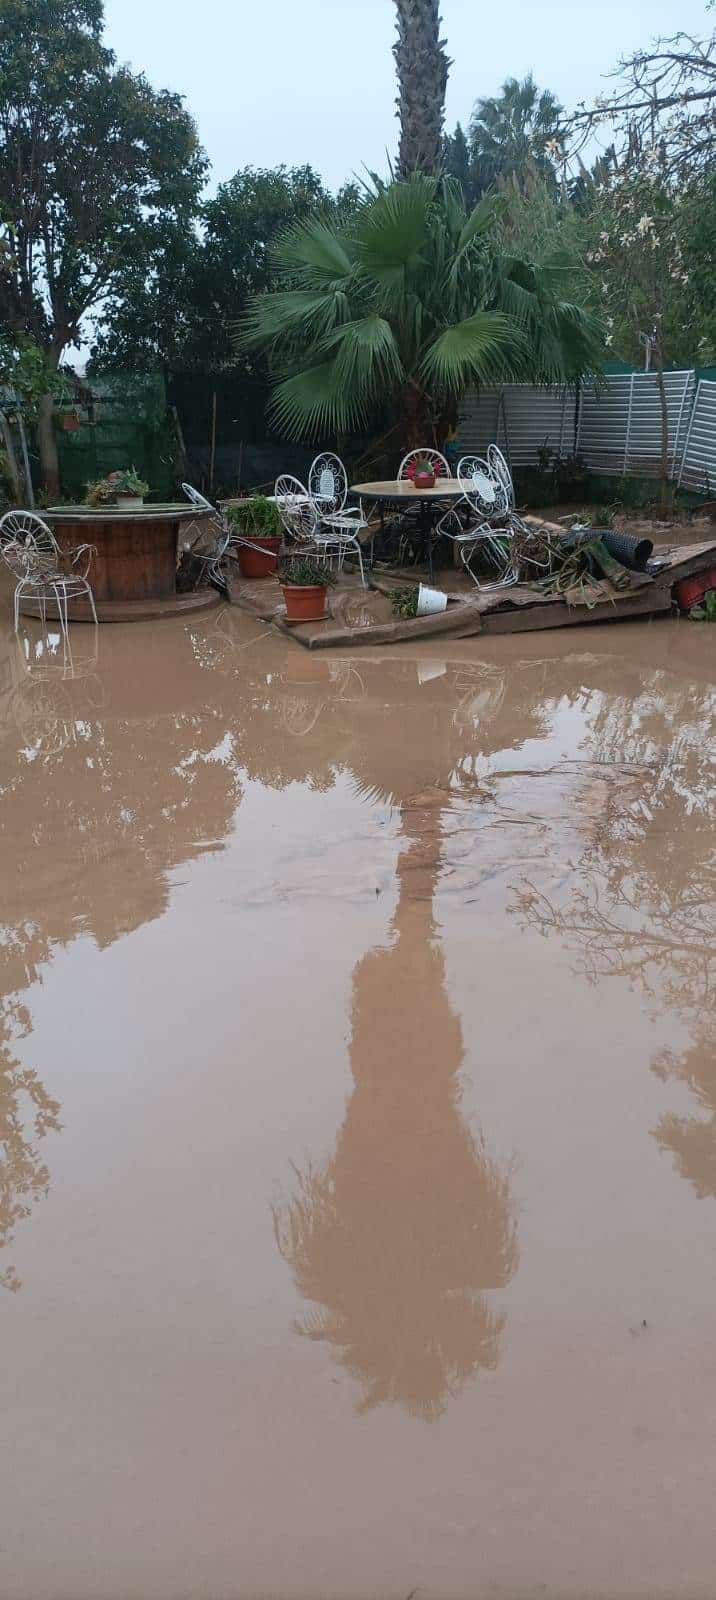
[(411, 302), (513, 134), (94, 166), (457, 159), (662, 96), (422, 65), (175, 308)]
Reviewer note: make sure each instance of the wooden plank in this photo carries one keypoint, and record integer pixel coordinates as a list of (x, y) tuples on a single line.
[(557, 614)]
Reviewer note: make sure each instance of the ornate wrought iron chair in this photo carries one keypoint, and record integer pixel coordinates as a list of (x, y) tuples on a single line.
[(42, 572), (302, 517), (208, 539)]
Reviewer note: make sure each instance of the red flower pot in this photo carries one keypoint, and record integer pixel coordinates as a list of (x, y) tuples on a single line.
[(424, 480), (70, 423), (259, 562), (691, 590), (304, 604)]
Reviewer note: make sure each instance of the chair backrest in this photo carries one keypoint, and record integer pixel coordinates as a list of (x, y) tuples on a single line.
[(197, 499), (501, 473), (328, 483), (438, 463), (298, 512), (28, 547), (479, 487)]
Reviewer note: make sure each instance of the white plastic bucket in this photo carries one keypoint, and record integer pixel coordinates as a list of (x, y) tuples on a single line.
[(430, 600)]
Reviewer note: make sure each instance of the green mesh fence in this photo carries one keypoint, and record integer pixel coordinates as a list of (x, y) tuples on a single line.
[(123, 422)]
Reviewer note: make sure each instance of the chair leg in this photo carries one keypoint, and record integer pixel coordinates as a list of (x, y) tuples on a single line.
[(359, 554), (93, 607)]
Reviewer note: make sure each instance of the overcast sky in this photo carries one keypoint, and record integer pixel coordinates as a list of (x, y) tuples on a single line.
[(291, 81)]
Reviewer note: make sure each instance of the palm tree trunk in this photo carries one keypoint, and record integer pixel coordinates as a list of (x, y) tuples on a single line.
[(422, 66), (414, 418)]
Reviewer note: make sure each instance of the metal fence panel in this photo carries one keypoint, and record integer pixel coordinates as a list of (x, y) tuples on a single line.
[(615, 426), (698, 464)]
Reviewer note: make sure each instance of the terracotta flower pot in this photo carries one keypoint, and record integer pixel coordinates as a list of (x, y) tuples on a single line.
[(253, 563), (70, 423), (304, 604), (424, 480)]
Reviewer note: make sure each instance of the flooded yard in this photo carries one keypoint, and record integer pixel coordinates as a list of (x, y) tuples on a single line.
[(357, 1116)]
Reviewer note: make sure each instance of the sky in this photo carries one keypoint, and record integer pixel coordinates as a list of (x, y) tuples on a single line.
[(295, 81)]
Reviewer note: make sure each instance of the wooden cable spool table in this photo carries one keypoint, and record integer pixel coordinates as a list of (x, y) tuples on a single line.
[(134, 566)]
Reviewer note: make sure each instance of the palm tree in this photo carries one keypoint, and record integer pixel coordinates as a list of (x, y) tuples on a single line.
[(511, 132), (406, 305), (422, 68)]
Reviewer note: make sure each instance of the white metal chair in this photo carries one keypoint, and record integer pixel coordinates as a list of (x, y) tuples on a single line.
[(485, 491), (304, 522), (499, 470), (437, 461), (211, 537), (328, 488), (40, 569), (479, 536)]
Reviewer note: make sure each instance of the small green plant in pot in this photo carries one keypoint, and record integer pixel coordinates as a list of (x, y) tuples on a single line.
[(257, 521), (405, 601), (125, 488), (304, 582)]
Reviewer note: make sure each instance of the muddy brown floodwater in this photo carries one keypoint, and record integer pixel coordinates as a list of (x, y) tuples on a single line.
[(357, 1117)]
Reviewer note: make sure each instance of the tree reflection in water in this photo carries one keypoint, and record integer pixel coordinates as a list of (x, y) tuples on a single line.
[(398, 1239), (642, 902)]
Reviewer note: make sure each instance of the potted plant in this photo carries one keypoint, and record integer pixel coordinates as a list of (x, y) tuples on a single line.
[(100, 493), (424, 475), (125, 488), (304, 582), (418, 601), (257, 521), (129, 489), (70, 421)]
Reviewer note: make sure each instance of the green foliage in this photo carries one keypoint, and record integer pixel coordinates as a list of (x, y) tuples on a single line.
[(404, 602), (174, 306), (706, 611), (94, 164), (514, 138), (411, 301), (26, 372), (256, 517), (302, 572), (105, 490)]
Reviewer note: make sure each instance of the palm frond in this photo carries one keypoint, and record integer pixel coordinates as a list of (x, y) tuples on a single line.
[(366, 355), (291, 313), (391, 232), (480, 349), (317, 250), (315, 403)]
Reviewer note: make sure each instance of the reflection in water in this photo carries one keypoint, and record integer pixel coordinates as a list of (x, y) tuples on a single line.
[(27, 1113), (643, 905), (399, 1237), (96, 806)]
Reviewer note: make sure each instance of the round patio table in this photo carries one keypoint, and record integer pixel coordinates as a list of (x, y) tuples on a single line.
[(402, 491), (134, 565)]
